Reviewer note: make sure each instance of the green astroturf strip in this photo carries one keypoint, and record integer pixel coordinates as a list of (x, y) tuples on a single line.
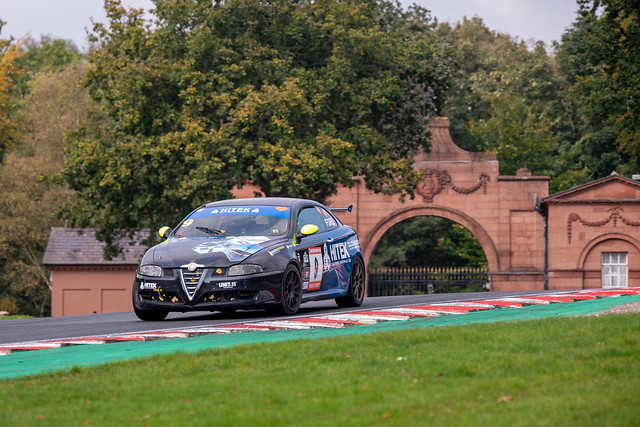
[(40, 361)]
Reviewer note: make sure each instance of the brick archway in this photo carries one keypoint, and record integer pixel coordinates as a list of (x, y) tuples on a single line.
[(469, 223), (464, 187)]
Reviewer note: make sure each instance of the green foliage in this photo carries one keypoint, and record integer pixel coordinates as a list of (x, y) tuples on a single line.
[(512, 99), (520, 137), (295, 97), (427, 241), (46, 54), (601, 56)]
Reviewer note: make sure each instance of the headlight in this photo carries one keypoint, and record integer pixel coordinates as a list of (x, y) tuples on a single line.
[(243, 269), (150, 270)]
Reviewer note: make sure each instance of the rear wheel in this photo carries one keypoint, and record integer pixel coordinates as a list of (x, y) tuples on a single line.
[(355, 294), (291, 291)]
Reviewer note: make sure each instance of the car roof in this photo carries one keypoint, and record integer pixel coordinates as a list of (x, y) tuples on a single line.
[(262, 201)]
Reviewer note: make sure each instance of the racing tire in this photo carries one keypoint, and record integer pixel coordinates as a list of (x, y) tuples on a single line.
[(150, 315), (291, 291), (355, 294)]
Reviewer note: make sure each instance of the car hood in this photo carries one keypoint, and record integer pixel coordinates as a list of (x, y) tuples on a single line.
[(210, 252)]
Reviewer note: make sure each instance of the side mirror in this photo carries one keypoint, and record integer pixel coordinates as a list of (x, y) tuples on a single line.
[(309, 229), (164, 232)]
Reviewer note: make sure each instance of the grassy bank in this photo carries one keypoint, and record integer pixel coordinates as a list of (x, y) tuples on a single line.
[(576, 371)]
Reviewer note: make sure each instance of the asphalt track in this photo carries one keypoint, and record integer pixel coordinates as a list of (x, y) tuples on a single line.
[(44, 356)]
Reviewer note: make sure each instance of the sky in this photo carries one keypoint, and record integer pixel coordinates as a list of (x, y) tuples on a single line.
[(527, 20)]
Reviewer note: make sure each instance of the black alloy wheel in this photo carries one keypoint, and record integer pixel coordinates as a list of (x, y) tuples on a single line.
[(150, 315), (355, 294), (291, 291)]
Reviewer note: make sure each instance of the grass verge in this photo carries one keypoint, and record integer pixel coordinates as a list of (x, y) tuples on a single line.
[(15, 317), (561, 371)]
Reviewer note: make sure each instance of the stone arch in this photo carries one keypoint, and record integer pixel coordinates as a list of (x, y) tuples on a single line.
[(595, 242), (451, 214)]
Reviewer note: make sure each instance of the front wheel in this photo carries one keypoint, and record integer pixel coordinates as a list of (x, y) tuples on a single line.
[(355, 294), (150, 315), (291, 291)]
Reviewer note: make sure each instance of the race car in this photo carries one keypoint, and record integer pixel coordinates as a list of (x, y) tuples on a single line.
[(271, 253)]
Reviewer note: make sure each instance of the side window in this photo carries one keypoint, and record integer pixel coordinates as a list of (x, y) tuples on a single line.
[(317, 216), (329, 221), (311, 215)]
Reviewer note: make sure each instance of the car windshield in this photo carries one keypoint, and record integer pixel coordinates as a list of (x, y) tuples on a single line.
[(227, 221)]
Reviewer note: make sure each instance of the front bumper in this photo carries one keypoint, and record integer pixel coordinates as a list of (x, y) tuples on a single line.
[(212, 291)]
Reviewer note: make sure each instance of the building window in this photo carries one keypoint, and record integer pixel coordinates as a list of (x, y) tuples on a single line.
[(614, 269)]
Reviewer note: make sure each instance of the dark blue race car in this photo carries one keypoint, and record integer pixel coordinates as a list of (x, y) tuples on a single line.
[(273, 253)]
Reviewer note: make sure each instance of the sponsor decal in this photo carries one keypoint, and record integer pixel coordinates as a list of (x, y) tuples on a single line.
[(354, 245), (276, 250), (234, 210), (218, 271), (227, 285), (235, 249), (339, 252), (272, 211), (329, 222), (316, 267), (326, 261), (148, 285)]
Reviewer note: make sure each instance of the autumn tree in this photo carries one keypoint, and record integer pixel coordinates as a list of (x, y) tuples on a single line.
[(54, 105), (10, 54), (48, 53), (293, 96)]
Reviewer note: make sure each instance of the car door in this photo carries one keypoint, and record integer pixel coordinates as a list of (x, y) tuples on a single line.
[(322, 254)]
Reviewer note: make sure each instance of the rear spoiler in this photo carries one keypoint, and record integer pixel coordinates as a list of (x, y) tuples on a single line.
[(347, 209)]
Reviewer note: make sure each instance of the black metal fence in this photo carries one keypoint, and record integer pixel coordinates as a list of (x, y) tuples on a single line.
[(426, 280)]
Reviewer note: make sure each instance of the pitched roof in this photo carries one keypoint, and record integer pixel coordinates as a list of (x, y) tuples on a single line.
[(613, 188), (76, 246)]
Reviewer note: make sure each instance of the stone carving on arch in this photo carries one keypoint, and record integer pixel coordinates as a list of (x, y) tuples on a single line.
[(435, 181), (595, 242), (451, 214)]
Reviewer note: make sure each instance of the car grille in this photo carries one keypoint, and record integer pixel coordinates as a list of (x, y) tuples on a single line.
[(191, 280)]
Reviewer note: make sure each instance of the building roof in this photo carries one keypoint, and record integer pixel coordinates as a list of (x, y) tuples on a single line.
[(611, 189), (76, 246)]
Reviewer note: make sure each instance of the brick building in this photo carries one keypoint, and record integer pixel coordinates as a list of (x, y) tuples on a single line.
[(82, 281), (594, 235)]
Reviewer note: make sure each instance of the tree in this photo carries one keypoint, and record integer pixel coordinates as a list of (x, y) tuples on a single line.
[(54, 105), (428, 241), (511, 98), (520, 137), (294, 96), (48, 53), (600, 54), (10, 54)]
